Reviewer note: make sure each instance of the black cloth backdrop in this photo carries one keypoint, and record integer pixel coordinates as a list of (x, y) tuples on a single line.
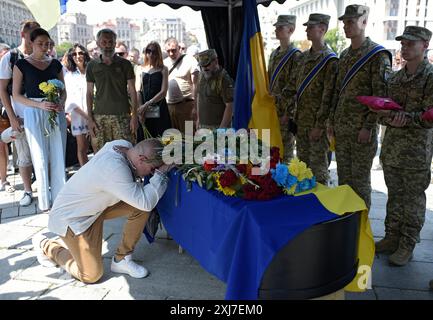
[(216, 23)]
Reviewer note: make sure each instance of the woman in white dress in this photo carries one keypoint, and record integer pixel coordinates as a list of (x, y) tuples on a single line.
[(47, 139), (76, 87)]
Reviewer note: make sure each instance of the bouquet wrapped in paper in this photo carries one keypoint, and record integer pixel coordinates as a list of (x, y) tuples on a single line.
[(427, 115), (379, 103)]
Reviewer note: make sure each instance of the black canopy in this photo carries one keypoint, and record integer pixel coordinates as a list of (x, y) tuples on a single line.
[(223, 21)]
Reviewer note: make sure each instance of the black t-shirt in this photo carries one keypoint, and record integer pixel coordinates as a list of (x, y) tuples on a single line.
[(33, 76)]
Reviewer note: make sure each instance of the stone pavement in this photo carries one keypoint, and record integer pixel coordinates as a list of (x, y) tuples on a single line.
[(174, 275)]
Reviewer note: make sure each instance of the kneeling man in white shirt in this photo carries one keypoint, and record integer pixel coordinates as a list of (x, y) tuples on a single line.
[(107, 187)]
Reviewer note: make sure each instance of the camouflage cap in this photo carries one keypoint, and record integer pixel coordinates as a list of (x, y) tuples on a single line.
[(284, 20), (415, 33), (206, 57), (354, 11), (316, 18)]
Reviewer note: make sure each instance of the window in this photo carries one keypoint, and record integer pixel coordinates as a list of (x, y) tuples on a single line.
[(391, 7), (390, 28)]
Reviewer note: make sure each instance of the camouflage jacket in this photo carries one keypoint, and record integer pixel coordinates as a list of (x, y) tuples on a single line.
[(287, 75), (348, 115), (312, 109), (410, 147)]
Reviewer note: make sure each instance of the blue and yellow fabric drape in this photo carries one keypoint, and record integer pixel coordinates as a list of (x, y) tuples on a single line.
[(254, 106)]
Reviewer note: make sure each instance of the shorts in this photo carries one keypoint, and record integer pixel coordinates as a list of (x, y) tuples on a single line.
[(24, 158)]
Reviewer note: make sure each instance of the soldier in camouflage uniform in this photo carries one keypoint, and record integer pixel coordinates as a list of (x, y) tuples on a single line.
[(215, 93), (407, 148), (354, 125), (314, 98), (282, 64)]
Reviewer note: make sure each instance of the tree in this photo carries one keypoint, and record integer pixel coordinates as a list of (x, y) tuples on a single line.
[(62, 48), (335, 40)]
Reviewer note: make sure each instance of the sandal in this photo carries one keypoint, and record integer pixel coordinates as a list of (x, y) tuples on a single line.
[(6, 186)]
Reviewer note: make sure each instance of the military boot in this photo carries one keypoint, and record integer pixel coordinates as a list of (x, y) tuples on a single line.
[(401, 257), (389, 244)]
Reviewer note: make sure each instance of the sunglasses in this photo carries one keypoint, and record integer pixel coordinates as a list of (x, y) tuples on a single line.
[(171, 50), (81, 53), (149, 51), (121, 54)]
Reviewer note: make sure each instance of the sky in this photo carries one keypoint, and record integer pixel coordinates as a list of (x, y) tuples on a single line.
[(98, 11)]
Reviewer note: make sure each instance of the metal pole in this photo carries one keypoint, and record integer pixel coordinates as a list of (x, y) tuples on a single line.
[(230, 36)]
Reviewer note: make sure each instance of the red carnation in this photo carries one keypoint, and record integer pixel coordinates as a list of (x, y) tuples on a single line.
[(242, 168), (208, 166), (228, 178), (275, 153)]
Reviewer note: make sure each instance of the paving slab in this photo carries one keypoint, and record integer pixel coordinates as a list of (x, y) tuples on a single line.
[(413, 276), (52, 275), (161, 251), (16, 236), (399, 294), (13, 262), (22, 290), (367, 295), (65, 292)]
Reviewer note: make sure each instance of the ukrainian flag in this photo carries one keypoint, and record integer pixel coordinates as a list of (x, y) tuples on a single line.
[(46, 12), (254, 106)]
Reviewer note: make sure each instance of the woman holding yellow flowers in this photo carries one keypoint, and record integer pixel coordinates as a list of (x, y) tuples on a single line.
[(38, 84)]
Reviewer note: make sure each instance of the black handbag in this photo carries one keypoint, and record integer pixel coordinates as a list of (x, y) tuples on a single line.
[(153, 110)]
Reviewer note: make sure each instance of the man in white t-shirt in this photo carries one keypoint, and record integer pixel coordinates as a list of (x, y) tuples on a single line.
[(182, 84), (106, 187), (15, 110)]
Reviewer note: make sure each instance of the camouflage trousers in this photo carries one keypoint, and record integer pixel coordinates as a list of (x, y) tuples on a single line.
[(288, 143), (313, 153), (111, 127), (406, 205), (354, 162)]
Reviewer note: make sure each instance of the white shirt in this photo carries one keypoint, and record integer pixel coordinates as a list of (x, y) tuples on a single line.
[(6, 73), (180, 79), (104, 181), (76, 88)]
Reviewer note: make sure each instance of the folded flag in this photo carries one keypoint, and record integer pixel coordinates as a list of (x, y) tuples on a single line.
[(379, 103), (46, 12)]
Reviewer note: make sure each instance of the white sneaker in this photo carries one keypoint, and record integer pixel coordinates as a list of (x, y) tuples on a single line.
[(26, 200), (42, 258), (128, 266)]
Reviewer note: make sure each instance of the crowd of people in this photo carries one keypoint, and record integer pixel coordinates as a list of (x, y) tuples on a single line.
[(115, 99)]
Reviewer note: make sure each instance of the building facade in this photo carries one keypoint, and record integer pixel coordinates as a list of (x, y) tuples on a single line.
[(73, 28), (161, 29), (387, 18), (127, 32), (12, 13)]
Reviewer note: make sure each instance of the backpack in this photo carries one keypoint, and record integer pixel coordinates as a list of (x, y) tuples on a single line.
[(14, 57)]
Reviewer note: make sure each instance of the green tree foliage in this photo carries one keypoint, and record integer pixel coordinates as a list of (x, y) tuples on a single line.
[(62, 48), (336, 40)]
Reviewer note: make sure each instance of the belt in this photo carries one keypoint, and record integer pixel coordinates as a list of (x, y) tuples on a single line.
[(179, 102)]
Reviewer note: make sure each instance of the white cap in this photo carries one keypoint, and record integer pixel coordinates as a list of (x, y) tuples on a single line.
[(10, 135)]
